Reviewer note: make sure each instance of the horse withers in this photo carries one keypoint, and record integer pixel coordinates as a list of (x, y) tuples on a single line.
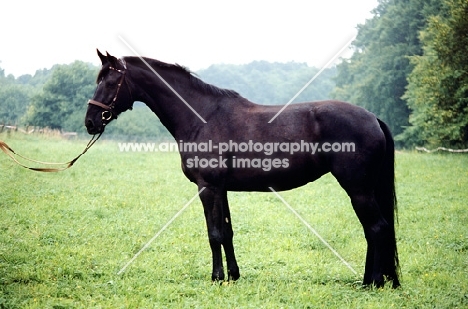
[(234, 145)]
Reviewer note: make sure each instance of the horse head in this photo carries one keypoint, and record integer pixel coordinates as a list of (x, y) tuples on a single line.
[(112, 95)]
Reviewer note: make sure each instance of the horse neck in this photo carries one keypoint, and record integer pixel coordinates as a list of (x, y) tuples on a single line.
[(173, 113)]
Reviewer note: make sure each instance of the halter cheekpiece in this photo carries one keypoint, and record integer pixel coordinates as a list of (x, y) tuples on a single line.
[(108, 112)]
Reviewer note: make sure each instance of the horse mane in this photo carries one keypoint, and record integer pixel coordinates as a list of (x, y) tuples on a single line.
[(194, 80)]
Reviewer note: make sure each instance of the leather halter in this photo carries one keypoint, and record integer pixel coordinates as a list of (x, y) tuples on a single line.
[(108, 112)]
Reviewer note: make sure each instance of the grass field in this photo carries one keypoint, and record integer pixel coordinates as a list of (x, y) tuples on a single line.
[(64, 236)]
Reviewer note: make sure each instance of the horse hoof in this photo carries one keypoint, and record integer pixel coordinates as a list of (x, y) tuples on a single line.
[(233, 275), (373, 284), (396, 284), (217, 277)]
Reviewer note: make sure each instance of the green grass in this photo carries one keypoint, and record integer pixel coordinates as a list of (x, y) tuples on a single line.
[(64, 236)]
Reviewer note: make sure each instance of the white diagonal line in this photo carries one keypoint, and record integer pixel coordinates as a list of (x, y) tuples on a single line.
[(313, 230), (313, 78), (160, 231), (162, 79)]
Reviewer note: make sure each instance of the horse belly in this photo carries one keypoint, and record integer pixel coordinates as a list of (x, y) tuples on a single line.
[(277, 173)]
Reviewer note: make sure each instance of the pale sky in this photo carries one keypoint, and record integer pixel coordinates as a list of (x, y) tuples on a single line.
[(196, 34)]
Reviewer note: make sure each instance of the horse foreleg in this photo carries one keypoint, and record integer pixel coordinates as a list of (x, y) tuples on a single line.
[(228, 234), (218, 221), (212, 205)]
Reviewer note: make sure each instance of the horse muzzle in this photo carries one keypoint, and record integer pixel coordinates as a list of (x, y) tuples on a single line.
[(94, 128), (97, 126)]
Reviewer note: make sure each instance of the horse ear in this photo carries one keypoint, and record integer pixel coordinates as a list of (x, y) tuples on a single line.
[(102, 57), (112, 60)]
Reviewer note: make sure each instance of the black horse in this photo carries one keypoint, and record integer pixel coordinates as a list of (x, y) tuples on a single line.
[(228, 143)]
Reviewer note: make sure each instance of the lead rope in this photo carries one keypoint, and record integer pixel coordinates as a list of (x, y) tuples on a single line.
[(11, 153)]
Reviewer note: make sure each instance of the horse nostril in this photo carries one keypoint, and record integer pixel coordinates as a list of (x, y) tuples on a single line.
[(89, 124)]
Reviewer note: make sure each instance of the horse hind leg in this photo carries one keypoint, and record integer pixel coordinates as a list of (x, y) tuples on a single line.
[(374, 209), (379, 257)]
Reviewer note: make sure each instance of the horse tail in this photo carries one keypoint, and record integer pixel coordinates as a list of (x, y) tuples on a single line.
[(387, 200)]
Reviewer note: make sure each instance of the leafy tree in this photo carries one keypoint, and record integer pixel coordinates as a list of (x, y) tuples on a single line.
[(62, 102), (375, 76), (14, 101), (437, 92), (37, 80)]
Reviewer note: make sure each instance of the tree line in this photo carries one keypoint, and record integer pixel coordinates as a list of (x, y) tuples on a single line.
[(409, 67), (56, 98), (271, 83)]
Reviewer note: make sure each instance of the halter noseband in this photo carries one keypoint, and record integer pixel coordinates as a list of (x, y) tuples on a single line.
[(108, 113)]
